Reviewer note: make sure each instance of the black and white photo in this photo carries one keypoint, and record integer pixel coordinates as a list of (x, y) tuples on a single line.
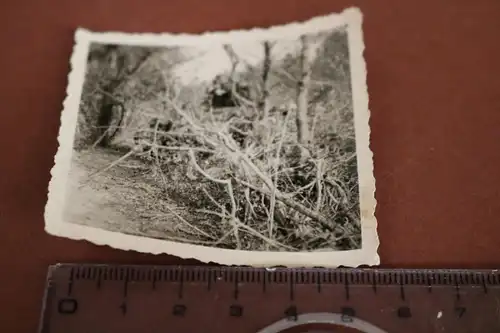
[(244, 147)]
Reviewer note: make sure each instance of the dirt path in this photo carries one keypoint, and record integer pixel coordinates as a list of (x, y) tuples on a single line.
[(125, 198)]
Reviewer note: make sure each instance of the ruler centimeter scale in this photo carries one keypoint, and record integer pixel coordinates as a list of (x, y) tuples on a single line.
[(126, 298)]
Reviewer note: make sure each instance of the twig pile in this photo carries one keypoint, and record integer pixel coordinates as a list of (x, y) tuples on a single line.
[(250, 188)]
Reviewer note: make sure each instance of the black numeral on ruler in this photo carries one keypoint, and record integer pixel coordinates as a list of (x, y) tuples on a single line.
[(179, 310), (67, 306), (291, 313)]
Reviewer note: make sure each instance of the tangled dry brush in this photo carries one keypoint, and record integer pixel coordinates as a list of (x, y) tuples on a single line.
[(236, 179)]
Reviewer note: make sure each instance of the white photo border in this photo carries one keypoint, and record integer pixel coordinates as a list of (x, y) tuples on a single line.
[(367, 255)]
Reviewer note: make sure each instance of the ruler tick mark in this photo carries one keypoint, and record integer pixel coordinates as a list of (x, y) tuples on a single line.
[(209, 280), (70, 282), (236, 286), (346, 287), (99, 278), (402, 292), (154, 280), (125, 286), (485, 288), (181, 285), (457, 292)]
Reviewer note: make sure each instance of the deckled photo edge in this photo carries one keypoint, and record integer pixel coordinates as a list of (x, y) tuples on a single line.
[(68, 120), (281, 31), (367, 255), (367, 182)]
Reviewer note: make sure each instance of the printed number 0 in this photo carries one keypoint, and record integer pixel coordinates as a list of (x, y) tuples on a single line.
[(67, 306)]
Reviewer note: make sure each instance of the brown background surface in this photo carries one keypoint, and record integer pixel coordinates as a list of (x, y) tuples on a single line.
[(434, 84)]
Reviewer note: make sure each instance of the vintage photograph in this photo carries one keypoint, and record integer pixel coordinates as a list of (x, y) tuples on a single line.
[(246, 147)]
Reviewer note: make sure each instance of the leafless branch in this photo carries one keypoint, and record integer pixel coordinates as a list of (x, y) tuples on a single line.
[(229, 187), (251, 231), (329, 225)]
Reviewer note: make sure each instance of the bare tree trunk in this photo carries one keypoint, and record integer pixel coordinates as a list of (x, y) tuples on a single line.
[(235, 61), (111, 109), (306, 60), (266, 67)]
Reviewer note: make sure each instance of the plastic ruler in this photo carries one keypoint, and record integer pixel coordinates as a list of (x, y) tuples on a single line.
[(126, 298)]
